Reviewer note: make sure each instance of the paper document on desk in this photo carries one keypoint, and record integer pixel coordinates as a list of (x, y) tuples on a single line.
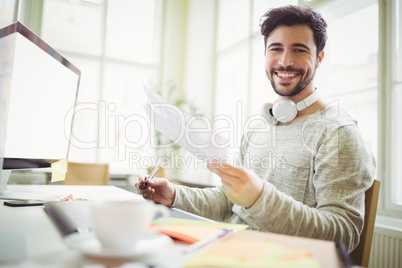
[(252, 249), (192, 133)]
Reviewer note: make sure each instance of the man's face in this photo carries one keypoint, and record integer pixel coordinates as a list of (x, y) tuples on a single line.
[(291, 60)]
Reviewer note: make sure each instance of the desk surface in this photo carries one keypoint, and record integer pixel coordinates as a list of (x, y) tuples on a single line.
[(38, 241)]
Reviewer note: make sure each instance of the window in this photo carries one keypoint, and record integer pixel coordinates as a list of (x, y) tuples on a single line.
[(394, 82), (6, 12), (116, 45), (369, 37), (349, 73), (74, 25)]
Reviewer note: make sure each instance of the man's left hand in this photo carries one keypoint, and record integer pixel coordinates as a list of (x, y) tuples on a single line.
[(242, 187)]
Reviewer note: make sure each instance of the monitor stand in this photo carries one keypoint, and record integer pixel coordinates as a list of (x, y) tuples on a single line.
[(5, 193)]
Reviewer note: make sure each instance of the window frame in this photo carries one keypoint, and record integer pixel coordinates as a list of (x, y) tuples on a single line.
[(387, 206)]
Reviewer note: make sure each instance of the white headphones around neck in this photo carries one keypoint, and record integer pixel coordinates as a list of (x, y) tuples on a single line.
[(285, 110)]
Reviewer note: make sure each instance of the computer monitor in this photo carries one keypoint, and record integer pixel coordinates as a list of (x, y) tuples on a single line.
[(38, 93)]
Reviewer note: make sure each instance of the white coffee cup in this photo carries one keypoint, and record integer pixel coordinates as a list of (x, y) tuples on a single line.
[(120, 225)]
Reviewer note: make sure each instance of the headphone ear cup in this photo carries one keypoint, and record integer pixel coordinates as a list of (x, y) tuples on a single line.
[(267, 113), (284, 110)]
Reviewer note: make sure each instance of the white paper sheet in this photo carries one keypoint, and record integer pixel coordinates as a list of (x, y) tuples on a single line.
[(193, 134)]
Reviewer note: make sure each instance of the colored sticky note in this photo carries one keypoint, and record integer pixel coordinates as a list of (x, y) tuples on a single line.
[(220, 225), (192, 231), (59, 170)]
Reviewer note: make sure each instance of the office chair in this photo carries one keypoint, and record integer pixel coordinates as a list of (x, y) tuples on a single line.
[(361, 254), (87, 174)]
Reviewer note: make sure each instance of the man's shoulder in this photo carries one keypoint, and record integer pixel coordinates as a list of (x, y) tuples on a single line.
[(333, 114), (332, 119), (336, 113)]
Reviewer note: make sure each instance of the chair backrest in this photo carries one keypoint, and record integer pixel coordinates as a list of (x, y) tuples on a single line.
[(361, 254), (87, 174)]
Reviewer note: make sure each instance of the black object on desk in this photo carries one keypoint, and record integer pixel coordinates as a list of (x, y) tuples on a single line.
[(23, 203), (69, 216)]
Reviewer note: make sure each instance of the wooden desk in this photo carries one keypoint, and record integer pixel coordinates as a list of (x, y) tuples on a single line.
[(37, 240)]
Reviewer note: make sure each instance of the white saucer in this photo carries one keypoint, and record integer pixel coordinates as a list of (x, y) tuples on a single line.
[(89, 245)]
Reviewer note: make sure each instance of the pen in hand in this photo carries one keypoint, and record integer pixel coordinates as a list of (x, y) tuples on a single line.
[(144, 185)]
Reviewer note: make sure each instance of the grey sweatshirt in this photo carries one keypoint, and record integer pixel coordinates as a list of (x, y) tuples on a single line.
[(315, 174)]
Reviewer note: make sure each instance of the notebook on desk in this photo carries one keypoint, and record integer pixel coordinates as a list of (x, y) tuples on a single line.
[(73, 216)]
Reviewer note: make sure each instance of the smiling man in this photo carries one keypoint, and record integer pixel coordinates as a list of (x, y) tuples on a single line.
[(292, 59), (323, 168)]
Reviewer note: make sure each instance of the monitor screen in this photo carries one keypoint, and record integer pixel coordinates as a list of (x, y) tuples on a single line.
[(38, 95)]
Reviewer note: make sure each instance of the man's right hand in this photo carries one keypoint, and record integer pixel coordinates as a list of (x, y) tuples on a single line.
[(159, 190)]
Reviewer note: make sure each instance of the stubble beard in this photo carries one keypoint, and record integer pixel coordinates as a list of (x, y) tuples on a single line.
[(300, 86)]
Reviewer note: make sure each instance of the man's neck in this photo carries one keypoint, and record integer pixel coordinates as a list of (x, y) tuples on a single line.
[(314, 108)]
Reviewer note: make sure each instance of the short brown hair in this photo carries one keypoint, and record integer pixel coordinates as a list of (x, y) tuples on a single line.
[(295, 15)]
